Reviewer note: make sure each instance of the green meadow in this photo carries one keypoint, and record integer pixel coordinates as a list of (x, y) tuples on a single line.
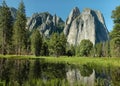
[(103, 61)]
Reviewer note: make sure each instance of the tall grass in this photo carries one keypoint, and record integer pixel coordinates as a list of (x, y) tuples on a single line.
[(103, 61), (85, 60)]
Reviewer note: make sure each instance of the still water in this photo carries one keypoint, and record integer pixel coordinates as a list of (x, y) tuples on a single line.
[(37, 72)]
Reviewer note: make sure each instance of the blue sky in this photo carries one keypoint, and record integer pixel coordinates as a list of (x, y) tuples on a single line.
[(62, 8)]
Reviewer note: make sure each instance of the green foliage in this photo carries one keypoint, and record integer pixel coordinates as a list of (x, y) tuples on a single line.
[(116, 14), (28, 42), (58, 44), (44, 49), (60, 27), (99, 50), (6, 23), (5, 71), (36, 42), (22, 71), (115, 34), (116, 31), (54, 45), (63, 41), (115, 47), (36, 69), (70, 51), (106, 49), (84, 48), (2, 83), (86, 70), (20, 32), (77, 52), (58, 70), (53, 82)]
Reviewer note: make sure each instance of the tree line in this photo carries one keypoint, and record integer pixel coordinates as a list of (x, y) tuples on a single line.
[(16, 39), (13, 32)]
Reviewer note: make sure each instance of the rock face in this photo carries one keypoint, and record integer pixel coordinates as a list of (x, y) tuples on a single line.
[(74, 14), (13, 12), (45, 23), (86, 25), (74, 76)]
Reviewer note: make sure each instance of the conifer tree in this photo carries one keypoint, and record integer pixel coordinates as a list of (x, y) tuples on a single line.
[(6, 23), (63, 41), (36, 42), (44, 49), (115, 34), (20, 31)]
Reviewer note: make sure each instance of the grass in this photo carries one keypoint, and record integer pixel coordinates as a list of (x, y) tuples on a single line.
[(2, 83), (84, 60), (104, 61)]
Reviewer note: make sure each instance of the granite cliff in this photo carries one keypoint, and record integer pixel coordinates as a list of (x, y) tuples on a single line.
[(89, 24), (45, 23)]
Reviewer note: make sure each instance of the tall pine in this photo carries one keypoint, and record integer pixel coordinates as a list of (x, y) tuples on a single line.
[(6, 23), (36, 43), (115, 34), (20, 31), (63, 41)]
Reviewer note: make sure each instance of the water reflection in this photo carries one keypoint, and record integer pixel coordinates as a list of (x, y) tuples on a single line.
[(37, 72), (74, 76)]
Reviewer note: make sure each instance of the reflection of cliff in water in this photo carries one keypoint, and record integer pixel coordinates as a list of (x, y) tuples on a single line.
[(74, 77), (37, 72)]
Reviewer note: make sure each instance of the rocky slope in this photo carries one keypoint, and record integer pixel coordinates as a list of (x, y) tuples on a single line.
[(86, 25), (13, 12), (45, 23)]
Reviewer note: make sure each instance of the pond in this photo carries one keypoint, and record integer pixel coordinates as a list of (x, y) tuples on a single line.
[(38, 72)]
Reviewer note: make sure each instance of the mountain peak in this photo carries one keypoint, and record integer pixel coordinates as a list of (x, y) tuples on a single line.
[(75, 12), (89, 24), (76, 9)]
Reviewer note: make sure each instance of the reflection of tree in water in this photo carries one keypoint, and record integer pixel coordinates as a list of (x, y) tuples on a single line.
[(86, 70), (107, 76), (81, 75), (21, 71), (115, 76)]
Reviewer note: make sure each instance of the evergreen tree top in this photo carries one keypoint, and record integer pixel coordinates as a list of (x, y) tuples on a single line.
[(21, 8)]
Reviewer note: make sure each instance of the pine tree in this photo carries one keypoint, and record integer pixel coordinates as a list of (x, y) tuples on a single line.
[(20, 31), (36, 42), (6, 23), (115, 34), (54, 44), (44, 49), (63, 41)]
